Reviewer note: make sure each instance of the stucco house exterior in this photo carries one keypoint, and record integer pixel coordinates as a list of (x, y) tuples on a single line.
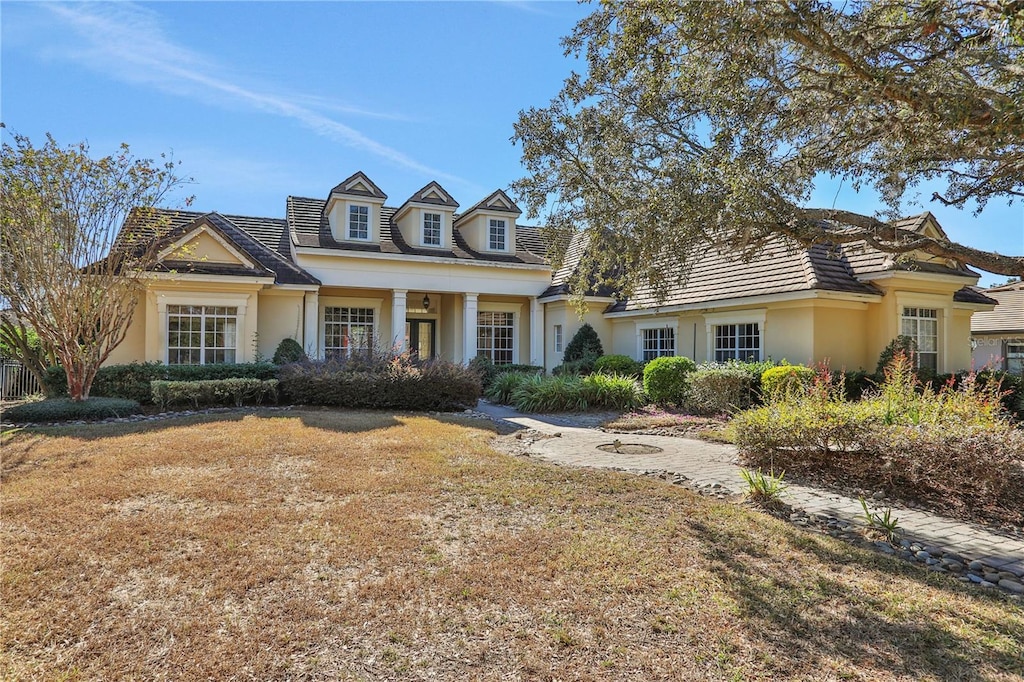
[(997, 335), (350, 271)]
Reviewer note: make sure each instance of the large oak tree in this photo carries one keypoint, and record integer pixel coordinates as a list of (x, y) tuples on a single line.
[(60, 212), (701, 124)]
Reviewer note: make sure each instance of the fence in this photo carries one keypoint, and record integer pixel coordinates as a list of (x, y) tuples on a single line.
[(16, 382)]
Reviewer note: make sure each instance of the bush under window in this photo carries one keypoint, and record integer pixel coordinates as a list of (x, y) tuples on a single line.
[(665, 379)]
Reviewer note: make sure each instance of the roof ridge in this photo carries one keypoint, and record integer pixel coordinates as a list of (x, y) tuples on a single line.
[(261, 245), (810, 271)]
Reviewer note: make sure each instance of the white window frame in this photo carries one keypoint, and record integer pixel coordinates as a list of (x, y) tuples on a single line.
[(440, 228), (715, 320), (349, 222), (937, 302), (205, 314), (497, 224), (326, 302), (642, 327), (914, 316), (558, 338), (494, 307)]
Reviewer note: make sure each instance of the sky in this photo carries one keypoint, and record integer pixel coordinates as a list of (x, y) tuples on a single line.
[(261, 100)]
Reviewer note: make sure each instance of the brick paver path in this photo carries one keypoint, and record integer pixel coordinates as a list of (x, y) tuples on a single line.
[(706, 463)]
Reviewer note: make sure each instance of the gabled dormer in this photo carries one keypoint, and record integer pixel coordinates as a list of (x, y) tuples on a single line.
[(202, 242), (490, 225), (353, 210), (425, 219)]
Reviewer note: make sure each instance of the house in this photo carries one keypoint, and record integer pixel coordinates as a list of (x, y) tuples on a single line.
[(349, 272), (997, 335)]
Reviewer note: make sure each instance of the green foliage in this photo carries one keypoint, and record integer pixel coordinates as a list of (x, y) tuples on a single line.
[(612, 392), (382, 383), (64, 409), (289, 350), (585, 343), (210, 392), (884, 523), (717, 388), (504, 386), (581, 367), (784, 380), (665, 379), (488, 371), (619, 364), (132, 381), (764, 489), (574, 393), (901, 345)]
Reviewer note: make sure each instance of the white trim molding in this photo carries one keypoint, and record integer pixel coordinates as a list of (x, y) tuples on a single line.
[(666, 323), (712, 320)]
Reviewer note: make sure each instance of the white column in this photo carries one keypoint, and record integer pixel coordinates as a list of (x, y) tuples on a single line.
[(536, 332), (311, 324), (161, 312), (398, 319), (468, 327)]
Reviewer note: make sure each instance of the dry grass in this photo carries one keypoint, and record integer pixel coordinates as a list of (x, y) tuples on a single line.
[(324, 545)]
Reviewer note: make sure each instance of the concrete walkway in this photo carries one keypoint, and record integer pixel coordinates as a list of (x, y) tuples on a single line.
[(707, 464)]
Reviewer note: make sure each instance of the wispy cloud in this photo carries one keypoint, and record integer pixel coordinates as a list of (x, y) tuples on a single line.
[(128, 42)]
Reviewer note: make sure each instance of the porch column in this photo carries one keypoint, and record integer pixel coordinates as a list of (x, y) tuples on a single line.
[(311, 324), (398, 319), (536, 332), (468, 327)]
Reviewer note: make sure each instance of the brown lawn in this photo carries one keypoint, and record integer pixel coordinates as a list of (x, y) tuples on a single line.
[(332, 545)]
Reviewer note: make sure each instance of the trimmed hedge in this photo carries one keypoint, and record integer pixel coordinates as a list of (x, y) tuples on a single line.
[(395, 383), (665, 379), (289, 351), (619, 364), (65, 409), (132, 381), (718, 388), (235, 392), (779, 382)]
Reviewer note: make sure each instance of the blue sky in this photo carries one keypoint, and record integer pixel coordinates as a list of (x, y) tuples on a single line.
[(260, 100)]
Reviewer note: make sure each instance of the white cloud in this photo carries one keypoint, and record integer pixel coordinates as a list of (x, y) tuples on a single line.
[(127, 41)]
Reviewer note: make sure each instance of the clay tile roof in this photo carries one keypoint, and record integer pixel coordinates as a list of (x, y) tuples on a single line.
[(1007, 316)]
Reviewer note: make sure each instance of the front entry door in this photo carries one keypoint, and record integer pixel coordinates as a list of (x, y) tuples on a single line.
[(419, 338)]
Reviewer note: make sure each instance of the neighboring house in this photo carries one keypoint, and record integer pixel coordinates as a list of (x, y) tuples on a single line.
[(347, 273), (997, 335)]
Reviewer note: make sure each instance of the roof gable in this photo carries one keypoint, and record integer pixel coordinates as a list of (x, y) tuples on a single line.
[(495, 201), (358, 185), (203, 242)]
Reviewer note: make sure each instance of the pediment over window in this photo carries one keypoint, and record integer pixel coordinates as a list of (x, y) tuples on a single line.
[(359, 185), (205, 244)]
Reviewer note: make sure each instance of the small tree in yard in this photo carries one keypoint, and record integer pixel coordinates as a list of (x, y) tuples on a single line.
[(63, 275), (585, 343)]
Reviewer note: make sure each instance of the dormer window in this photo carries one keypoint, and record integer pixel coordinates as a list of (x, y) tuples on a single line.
[(359, 222), (496, 235), (432, 229)]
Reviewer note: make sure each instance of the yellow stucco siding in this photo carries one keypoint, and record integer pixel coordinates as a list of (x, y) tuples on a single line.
[(204, 248), (133, 348), (280, 317), (841, 337), (565, 314), (788, 334)]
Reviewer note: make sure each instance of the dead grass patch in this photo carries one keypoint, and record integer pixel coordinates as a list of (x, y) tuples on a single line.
[(334, 545)]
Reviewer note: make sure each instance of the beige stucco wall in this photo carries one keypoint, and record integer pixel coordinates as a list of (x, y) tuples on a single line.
[(280, 317), (564, 313), (841, 337), (206, 249), (133, 348)]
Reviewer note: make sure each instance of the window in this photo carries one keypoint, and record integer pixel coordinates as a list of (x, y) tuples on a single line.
[(1015, 358), (922, 325), (432, 229), (558, 338), (738, 342), (358, 222), (496, 235), (347, 331), (657, 342), (201, 335), (495, 336)]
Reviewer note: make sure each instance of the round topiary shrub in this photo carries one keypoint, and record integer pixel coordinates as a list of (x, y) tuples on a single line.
[(665, 379), (618, 364), (289, 351), (785, 380), (585, 343)]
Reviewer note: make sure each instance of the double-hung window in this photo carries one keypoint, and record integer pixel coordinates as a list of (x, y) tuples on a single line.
[(495, 336), (347, 331), (432, 229), (922, 325), (657, 342), (359, 222), (558, 338), (201, 335), (738, 342), (496, 235)]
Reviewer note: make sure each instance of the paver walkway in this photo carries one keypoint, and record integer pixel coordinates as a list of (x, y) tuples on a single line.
[(707, 464)]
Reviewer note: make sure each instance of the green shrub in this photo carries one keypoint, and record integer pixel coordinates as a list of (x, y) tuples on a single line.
[(585, 343), (618, 364), (488, 371), (720, 388), (901, 345), (580, 367), (288, 351), (779, 382), (504, 385), (611, 392), (64, 409), (665, 379), (237, 392), (549, 394), (382, 383), (132, 381)]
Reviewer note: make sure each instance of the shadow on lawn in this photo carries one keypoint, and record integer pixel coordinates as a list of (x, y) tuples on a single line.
[(798, 614)]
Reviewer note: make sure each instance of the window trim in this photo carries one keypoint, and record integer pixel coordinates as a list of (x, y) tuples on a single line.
[(714, 320), (348, 222), (165, 297), (202, 316), (504, 234), (641, 327), (1006, 354), (517, 315), (936, 302), (918, 318), (325, 302), (440, 229), (558, 338)]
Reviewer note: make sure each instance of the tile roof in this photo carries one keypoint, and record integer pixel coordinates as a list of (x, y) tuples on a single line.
[(310, 229), (865, 259), (780, 266), (561, 279), (264, 240), (1007, 316)]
